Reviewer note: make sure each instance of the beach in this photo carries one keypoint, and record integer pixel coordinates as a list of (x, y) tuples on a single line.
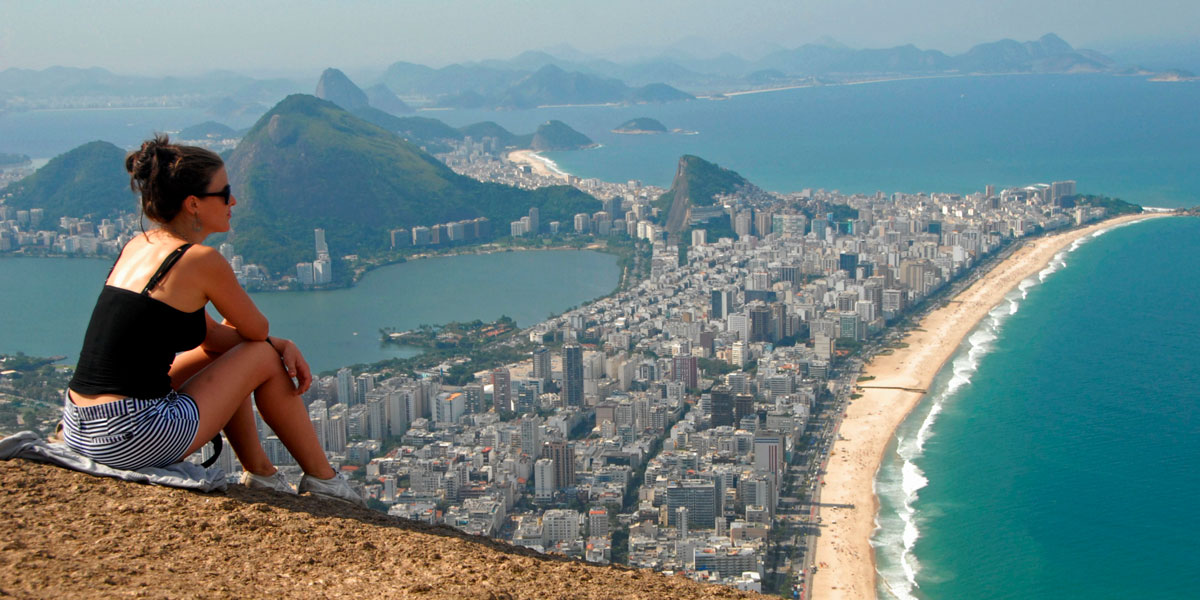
[(844, 553), (540, 165)]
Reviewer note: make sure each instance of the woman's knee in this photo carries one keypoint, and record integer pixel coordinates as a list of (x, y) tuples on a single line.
[(259, 352)]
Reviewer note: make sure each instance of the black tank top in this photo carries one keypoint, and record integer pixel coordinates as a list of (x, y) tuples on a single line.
[(133, 338)]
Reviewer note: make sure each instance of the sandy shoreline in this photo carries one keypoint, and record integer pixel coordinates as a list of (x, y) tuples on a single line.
[(540, 164), (844, 552)]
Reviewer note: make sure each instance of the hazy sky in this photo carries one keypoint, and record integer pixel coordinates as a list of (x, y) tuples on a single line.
[(184, 37)]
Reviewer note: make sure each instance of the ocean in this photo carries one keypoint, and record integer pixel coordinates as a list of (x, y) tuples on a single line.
[(1055, 454), (1118, 136)]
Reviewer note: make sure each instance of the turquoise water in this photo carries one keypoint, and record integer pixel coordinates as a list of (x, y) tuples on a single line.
[(1055, 456), (44, 309), (1121, 136)]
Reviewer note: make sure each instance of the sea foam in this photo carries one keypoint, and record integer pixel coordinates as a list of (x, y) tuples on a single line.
[(900, 478)]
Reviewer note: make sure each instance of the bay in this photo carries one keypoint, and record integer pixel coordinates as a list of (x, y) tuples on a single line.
[(44, 134), (1118, 136), (45, 303), (1055, 456)]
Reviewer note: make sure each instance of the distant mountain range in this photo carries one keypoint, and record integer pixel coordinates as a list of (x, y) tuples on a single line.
[(537, 78), (433, 135)]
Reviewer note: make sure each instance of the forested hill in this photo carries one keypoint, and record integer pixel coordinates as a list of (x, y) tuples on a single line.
[(309, 164), (87, 181)]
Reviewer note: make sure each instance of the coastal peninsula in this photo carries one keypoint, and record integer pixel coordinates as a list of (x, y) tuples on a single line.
[(845, 558)]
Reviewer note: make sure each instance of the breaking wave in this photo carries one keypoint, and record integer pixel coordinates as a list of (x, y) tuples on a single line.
[(900, 478)]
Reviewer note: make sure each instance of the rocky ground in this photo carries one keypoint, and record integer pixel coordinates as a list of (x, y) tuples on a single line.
[(70, 535)]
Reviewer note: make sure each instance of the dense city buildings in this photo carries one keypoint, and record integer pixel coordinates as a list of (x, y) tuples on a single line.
[(675, 424)]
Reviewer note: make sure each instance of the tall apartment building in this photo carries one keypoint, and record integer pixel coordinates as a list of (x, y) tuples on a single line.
[(572, 359)]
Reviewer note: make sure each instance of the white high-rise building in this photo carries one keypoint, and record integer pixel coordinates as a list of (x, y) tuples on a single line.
[(531, 435), (543, 479), (345, 386), (322, 247), (322, 271)]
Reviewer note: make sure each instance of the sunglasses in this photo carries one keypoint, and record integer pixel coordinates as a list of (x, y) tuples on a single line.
[(225, 193)]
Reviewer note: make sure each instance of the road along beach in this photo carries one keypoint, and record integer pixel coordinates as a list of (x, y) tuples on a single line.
[(844, 552)]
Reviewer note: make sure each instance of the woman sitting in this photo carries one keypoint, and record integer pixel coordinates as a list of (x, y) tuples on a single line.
[(157, 376)]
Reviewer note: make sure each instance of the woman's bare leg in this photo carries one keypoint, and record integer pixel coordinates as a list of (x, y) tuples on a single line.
[(240, 430), (220, 391)]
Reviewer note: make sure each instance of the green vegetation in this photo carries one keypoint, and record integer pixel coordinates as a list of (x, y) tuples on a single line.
[(702, 181), (713, 366), (452, 335), (87, 181), (309, 164), (641, 125), (459, 373), (716, 229), (556, 135), (865, 378), (1112, 206)]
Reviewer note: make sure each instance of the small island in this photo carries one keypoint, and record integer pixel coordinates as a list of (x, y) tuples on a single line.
[(641, 126), (451, 336)]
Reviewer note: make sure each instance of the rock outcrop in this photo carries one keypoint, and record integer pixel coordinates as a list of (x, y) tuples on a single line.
[(70, 535)]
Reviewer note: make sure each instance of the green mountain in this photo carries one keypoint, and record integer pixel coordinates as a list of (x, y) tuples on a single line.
[(491, 129), (89, 181), (697, 183), (556, 135), (641, 125), (309, 164)]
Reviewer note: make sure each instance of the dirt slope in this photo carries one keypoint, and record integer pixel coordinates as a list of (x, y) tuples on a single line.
[(70, 535)]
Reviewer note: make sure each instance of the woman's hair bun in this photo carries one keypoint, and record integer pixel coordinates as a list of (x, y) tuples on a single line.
[(164, 174)]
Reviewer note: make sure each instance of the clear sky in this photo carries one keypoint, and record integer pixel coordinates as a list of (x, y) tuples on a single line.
[(299, 36)]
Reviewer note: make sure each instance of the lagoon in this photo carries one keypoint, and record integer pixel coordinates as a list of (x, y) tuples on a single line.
[(45, 303)]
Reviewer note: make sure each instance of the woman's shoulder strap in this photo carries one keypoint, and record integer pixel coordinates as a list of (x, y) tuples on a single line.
[(166, 265)]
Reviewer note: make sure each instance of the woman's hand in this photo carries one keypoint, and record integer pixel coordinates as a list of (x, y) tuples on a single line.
[(293, 362)]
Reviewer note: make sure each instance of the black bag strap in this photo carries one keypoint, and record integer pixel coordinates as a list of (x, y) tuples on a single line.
[(217, 446), (166, 265)]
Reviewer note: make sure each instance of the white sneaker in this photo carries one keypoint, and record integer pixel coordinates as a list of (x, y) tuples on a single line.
[(276, 482), (336, 488)]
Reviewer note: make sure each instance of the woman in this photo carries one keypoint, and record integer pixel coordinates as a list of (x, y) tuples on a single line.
[(157, 377)]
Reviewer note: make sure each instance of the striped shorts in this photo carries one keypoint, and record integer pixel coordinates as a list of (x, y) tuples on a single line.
[(132, 433)]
